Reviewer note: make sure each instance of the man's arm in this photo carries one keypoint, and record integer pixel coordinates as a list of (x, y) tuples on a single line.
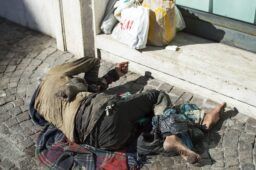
[(112, 76), (82, 65)]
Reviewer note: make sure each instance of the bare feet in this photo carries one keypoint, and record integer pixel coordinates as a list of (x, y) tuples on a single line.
[(174, 143), (213, 116)]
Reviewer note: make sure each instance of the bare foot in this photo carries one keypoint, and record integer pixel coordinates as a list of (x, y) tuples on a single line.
[(173, 143), (213, 116)]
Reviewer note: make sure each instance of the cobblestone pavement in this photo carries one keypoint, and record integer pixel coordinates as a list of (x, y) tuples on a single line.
[(25, 56)]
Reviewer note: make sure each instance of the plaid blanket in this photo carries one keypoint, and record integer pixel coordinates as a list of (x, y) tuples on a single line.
[(55, 152)]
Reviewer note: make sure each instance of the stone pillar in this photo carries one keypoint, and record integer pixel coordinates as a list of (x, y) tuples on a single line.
[(77, 27)]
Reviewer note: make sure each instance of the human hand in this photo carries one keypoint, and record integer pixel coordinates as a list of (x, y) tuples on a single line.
[(122, 68)]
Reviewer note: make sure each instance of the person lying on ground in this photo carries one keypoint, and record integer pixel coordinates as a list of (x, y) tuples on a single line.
[(86, 115)]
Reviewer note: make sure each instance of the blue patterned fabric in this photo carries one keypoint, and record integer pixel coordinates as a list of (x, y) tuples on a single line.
[(176, 121)]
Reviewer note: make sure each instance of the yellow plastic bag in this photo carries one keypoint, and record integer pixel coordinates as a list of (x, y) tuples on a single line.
[(162, 25)]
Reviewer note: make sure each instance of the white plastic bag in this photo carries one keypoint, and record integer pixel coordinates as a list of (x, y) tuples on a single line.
[(124, 4), (109, 20), (180, 23), (133, 27)]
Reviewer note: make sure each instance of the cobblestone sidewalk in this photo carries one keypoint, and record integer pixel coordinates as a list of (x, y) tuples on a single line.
[(25, 56)]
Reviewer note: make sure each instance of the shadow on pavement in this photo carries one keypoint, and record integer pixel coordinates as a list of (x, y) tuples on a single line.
[(135, 86), (212, 139)]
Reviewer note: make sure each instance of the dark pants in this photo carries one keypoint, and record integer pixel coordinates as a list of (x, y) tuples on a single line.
[(116, 130)]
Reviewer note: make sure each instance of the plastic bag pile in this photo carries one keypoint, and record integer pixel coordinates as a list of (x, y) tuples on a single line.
[(138, 23)]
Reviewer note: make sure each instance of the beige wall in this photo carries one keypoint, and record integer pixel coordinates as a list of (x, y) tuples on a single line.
[(35, 14), (69, 21)]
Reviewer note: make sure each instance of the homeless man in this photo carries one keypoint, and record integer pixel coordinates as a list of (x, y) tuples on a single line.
[(86, 115)]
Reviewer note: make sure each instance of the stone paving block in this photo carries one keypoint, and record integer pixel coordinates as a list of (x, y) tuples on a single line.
[(247, 138), (148, 87), (3, 145), (24, 108), (2, 69), (185, 98), (230, 139), (35, 136), (17, 138), (35, 62), (175, 94), (26, 143), (4, 130), (21, 94), (12, 84), (16, 128), (250, 129), (165, 87), (2, 101), (17, 73), (11, 122), (36, 128), (251, 122), (45, 53), (216, 154), (4, 63), (4, 117), (241, 118), (21, 67), (233, 168), (6, 107), (5, 80), (219, 164), (27, 123), (23, 117), (62, 58), (18, 102), (238, 126), (145, 167), (11, 91), (10, 98), (10, 69), (206, 167), (156, 165), (229, 123), (245, 157), (21, 89), (14, 79), (180, 167), (7, 164), (9, 75), (231, 152), (30, 151), (26, 61), (231, 162), (28, 132), (167, 162), (248, 167), (15, 61), (193, 167), (154, 83), (52, 57), (27, 163), (15, 111)]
